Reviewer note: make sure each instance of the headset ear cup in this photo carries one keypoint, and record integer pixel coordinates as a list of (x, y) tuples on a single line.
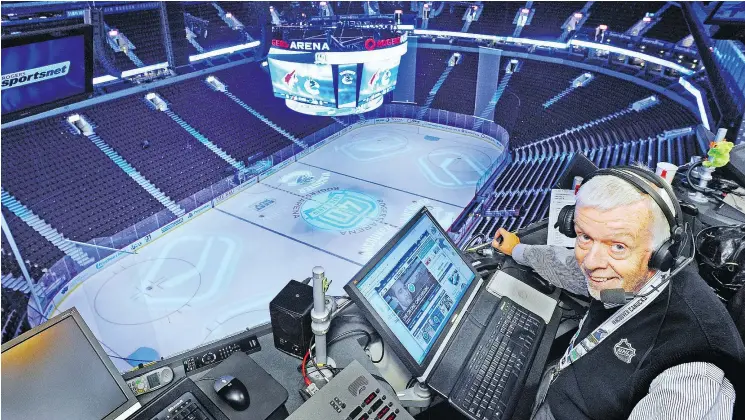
[(565, 222), (662, 259)]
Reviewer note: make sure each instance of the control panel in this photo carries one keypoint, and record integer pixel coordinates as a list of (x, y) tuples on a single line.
[(151, 381), (220, 352), (352, 395)]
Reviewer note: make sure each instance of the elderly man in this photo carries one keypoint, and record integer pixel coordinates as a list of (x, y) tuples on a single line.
[(672, 351)]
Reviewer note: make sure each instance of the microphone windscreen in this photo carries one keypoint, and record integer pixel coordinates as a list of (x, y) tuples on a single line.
[(613, 296)]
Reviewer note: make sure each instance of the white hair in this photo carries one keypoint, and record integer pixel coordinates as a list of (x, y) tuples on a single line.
[(605, 192)]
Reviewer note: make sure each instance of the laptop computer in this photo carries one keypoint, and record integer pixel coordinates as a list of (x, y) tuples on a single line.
[(433, 310)]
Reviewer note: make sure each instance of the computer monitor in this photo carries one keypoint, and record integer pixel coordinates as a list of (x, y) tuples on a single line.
[(58, 370), (413, 288)]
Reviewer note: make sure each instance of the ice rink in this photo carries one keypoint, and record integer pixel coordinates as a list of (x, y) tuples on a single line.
[(335, 207)]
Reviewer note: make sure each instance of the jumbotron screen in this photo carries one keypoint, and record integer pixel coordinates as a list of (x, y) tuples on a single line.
[(316, 79), (378, 78), (308, 83)]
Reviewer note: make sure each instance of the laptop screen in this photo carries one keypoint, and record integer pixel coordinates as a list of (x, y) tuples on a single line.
[(416, 286)]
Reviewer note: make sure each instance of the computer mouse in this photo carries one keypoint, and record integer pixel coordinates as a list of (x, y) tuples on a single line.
[(233, 392)]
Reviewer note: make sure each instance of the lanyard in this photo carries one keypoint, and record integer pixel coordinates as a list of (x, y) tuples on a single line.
[(647, 294)]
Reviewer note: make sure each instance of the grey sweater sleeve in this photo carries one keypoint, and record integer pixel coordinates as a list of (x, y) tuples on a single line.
[(555, 264)]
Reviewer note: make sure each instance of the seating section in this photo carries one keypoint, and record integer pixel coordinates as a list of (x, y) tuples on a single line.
[(348, 8), (672, 26), (248, 13), (221, 120), (174, 161), (521, 193), (458, 93), (8, 262), (451, 18), (253, 85), (548, 18), (535, 83), (13, 319), (67, 181), (143, 29), (38, 253), (429, 66), (390, 7), (218, 34), (619, 16), (524, 116), (496, 18)]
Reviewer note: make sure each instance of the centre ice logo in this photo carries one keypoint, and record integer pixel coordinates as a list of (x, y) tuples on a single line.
[(339, 210)]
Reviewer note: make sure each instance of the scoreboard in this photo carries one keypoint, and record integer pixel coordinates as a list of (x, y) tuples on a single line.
[(319, 77)]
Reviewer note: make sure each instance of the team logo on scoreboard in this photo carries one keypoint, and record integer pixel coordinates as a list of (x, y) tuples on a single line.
[(312, 87), (290, 78), (347, 77), (341, 210)]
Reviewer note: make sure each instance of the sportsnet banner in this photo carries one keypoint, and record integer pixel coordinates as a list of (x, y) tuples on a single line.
[(26, 77)]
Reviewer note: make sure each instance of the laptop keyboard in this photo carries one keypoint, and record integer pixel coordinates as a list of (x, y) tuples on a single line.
[(486, 387)]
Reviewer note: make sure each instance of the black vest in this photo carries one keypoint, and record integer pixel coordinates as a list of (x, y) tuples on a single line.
[(603, 385)]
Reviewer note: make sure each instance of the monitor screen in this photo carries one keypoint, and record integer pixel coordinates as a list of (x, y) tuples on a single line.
[(416, 285), (56, 372), (303, 82), (45, 68), (378, 78)]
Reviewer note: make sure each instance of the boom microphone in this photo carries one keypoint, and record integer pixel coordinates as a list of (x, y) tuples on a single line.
[(616, 296)]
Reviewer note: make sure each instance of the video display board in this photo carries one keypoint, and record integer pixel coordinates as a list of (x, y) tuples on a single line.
[(378, 78), (40, 69), (303, 82)]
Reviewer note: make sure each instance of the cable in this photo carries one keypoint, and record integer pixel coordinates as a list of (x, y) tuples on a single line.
[(127, 359), (382, 352), (381, 379), (351, 333), (305, 377)]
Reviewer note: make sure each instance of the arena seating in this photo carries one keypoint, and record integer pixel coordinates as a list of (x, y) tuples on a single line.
[(458, 93), (39, 254), (8, 262), (247, 12), (348, 8), (672, 27), (619, 16), (221, 120), (142, 28), (253, 86), (219, 34), (548, 18), (522, 110), (524, 185), (175, 161), (429, 66), (451, 18), (390, 7), (13, 320), (496, 18), (67, 181)]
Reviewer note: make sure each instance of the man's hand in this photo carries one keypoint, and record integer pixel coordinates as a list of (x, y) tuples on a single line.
[(505, 241)]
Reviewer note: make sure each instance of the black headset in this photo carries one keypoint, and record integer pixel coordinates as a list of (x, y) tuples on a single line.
[(663, 258)]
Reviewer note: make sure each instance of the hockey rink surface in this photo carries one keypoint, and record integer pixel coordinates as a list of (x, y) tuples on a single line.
[(335, 207)]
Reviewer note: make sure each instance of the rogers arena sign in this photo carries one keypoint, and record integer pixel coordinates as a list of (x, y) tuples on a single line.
[(301, 45), (372, 44)]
